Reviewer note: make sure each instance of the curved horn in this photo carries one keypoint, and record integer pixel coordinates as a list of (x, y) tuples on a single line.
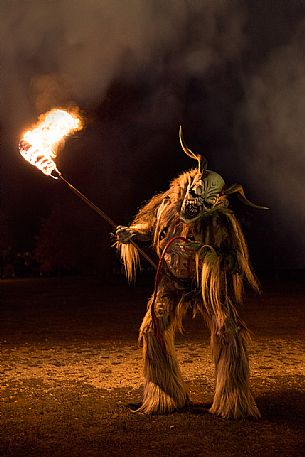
[(238, 188), (202, 162)]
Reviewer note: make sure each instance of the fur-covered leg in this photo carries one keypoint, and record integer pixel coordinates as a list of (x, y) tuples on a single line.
[(164, 390), (232, 397)]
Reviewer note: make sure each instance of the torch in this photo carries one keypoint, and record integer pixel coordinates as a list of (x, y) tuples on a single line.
[(39, 146)]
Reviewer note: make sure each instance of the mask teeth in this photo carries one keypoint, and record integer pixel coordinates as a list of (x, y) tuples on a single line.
[(192, 209)]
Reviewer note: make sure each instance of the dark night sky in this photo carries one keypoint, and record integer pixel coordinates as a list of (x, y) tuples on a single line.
[(231, 72)]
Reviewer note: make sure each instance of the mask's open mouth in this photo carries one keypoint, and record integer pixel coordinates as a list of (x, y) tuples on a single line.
[(191, 210)]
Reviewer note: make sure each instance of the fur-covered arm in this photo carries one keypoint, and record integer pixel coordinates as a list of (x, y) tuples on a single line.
[(138, 232), (223, 264), (141, 230)]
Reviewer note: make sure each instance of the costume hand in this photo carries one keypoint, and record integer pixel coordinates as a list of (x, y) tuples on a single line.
[(124, 234)]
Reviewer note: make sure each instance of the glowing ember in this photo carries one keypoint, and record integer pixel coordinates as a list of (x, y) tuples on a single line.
[(40, 144)]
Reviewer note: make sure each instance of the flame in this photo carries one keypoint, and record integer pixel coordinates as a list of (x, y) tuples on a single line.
[(40, 144)]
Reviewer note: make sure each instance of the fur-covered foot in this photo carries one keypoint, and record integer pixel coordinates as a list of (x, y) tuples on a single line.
[(236, 407), (156, 401)]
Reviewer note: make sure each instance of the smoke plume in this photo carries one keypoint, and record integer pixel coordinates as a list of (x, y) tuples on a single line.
[(274, 113), (54, 52), (234, 69)]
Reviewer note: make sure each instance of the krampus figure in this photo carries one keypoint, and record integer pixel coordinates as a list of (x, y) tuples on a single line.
[(203, 263)]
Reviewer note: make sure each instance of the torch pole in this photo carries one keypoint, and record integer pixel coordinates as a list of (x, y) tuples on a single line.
[(104, 216)]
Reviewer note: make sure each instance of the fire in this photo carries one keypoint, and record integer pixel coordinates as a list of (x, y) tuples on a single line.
[(40, 144)]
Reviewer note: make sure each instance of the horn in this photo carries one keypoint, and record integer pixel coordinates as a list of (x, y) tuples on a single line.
[(202, 161), (238, 188)]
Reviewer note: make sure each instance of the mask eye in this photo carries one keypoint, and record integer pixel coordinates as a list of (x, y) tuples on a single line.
[(193, 193), (210, 202), (198, 191)]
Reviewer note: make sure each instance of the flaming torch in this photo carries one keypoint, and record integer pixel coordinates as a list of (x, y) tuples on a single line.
[(40, 145)]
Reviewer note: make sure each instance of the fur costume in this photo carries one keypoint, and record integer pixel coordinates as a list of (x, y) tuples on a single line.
[(203, 263)]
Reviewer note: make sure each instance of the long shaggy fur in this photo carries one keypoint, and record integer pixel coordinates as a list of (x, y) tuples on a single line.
[(218, 290), (164, 389), (232, 396), (130, 259)]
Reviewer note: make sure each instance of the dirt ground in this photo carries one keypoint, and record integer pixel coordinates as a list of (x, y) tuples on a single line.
[(71, 374)]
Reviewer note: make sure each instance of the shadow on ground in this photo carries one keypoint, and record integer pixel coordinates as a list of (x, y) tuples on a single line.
[(72, 375)]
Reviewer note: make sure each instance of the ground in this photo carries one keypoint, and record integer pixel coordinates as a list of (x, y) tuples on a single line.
[(72, 374)]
